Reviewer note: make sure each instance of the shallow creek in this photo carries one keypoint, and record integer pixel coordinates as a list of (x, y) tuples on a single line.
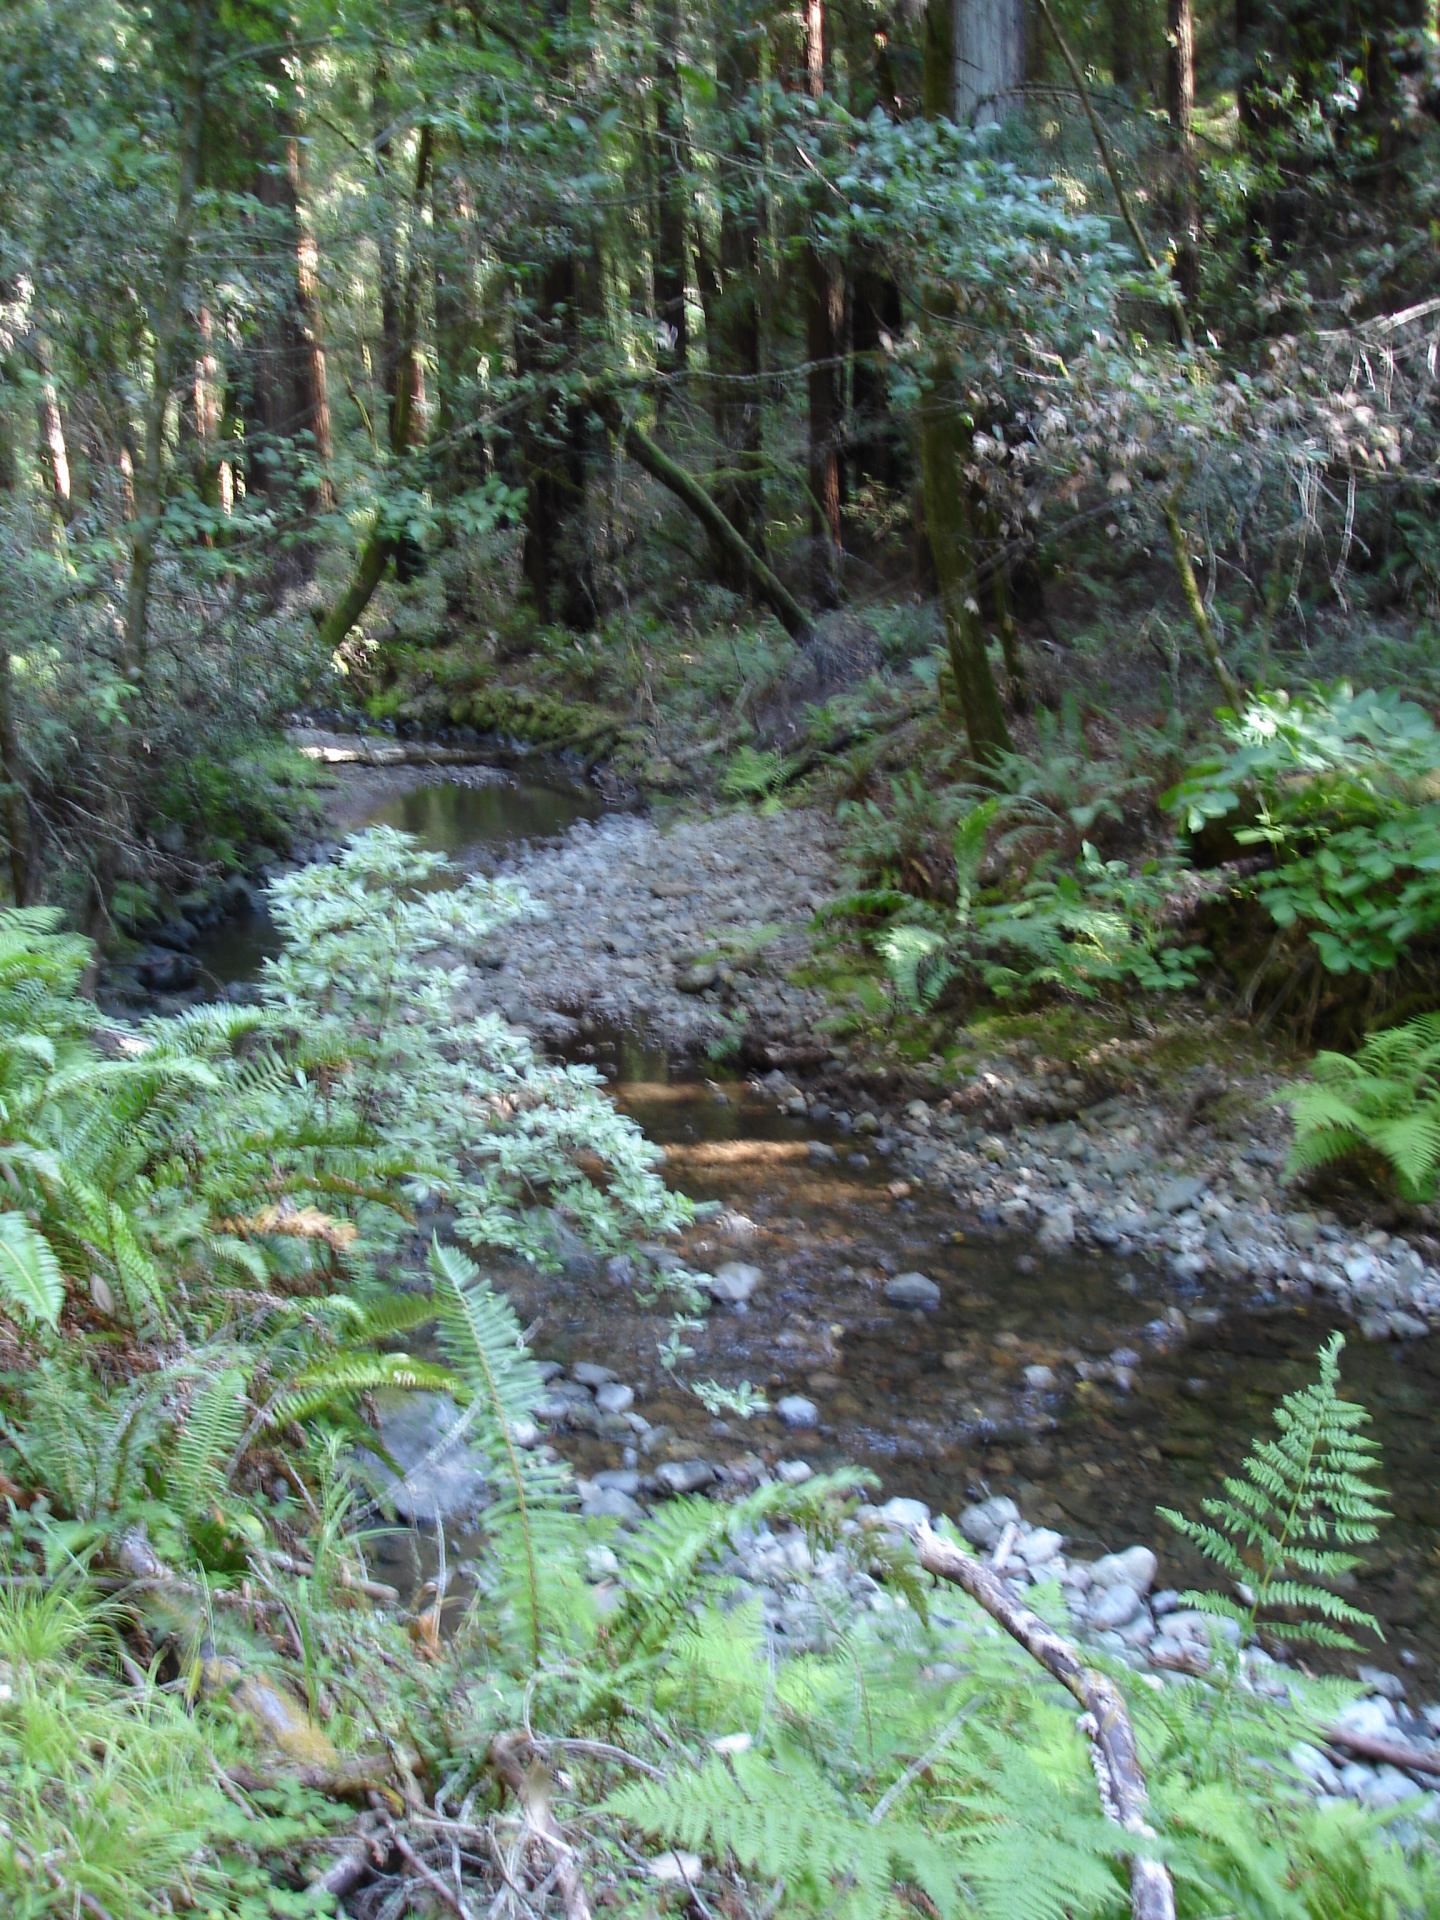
[(1149, 1391)]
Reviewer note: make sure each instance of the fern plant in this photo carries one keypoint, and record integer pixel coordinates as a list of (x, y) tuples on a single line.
[(1287, 1520), (1385, 1099)]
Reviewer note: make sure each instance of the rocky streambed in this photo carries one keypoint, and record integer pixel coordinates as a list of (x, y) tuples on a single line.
[(1047, 1294)]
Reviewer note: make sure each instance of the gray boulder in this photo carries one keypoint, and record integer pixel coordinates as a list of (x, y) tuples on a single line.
[(914, 1290)]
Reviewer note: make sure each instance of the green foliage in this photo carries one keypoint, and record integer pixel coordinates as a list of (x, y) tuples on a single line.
[(109, 1789), (1345, 792), (1283, 1529), (1099, 927), (1385, 1099)]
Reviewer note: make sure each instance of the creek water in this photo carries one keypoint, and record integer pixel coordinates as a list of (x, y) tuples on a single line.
[(1154, 1390), (471, 820)]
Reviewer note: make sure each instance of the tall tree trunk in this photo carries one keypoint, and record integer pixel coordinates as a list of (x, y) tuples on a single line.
[(943, 437), (311, 387), (127, 735), (12, 791), (672, 192), (876, 320), (1122, 41), (824, 324), (989, 59), (1180, 100), (735, 340), (554, 443), (52, 430)]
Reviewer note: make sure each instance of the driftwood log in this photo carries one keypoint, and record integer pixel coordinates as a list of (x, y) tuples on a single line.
[(1112, 1737)]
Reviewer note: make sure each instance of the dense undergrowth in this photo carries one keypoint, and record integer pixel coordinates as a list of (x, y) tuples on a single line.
[(210, 1255)]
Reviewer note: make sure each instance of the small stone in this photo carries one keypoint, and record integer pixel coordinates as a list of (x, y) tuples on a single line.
[(1058, 1228), (676, 1869), (684, 1476), (734, 1282), (697, 979), (822, 1150), (589, 1375), (983, 1523), (907, 1514), (609, 1503), (867, 1123), (600, 1564), (1039, 1548), (1375, 1326), (1408, 1326), (614, 1397), (1135, 1567), (1114, 1607), (1040, 1379), (626, 1479), (913, 1290), (793, 1473), (796, 1411), (1374, 1718), (1176, 1195), (1312, 1765), (1389, 1686)]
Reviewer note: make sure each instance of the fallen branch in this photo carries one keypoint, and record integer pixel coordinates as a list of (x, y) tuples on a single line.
[(643, 450), (1387, 1752), (515, 1761), (1112, 1737)]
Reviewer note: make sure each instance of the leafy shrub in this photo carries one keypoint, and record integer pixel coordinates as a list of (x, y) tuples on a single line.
[(1385, 1099), (1345, 790), (1079, 932), (902, 846)]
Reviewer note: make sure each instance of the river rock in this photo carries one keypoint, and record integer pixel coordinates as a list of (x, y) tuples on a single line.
[(697, 979), (589, 1375), (914, 1290), (733, 1283), (1058, 1228), (796, 1411), (614, 1397), (908, 1514), (1178, 1194), (1039, 1548), (793, 1473), (440, 1478), (626, 1479), (1040, 1380), (684, 1476), (1135, 1567), (600, 1564), (983, 1523), (1112, 1608), (822, 1150), (608, 1503), (676, 1869)]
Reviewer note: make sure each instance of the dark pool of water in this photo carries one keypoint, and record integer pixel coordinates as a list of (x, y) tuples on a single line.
[(470, 821), (937, 1404)]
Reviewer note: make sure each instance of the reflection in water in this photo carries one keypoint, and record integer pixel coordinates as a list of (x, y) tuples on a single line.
[(939, 1405), (456, 819), (448, 816)]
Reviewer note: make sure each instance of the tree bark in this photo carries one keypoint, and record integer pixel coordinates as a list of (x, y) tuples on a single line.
[(723, 533), (876, 320), (1112, 1737), (1195, 605), (16, 802), (672, 191), (942, 450), (1122, 36), (824, 325), (734, 342), (1180, 101), (52, 431), (989, 51)]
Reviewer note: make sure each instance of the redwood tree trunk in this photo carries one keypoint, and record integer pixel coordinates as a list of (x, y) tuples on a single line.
[(735, 339), (943, 436), (824, 324), (989, 42), (673, 174), (1180, 100)]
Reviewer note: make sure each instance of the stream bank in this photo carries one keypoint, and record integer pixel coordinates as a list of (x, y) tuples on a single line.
[(1121, 1356)]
